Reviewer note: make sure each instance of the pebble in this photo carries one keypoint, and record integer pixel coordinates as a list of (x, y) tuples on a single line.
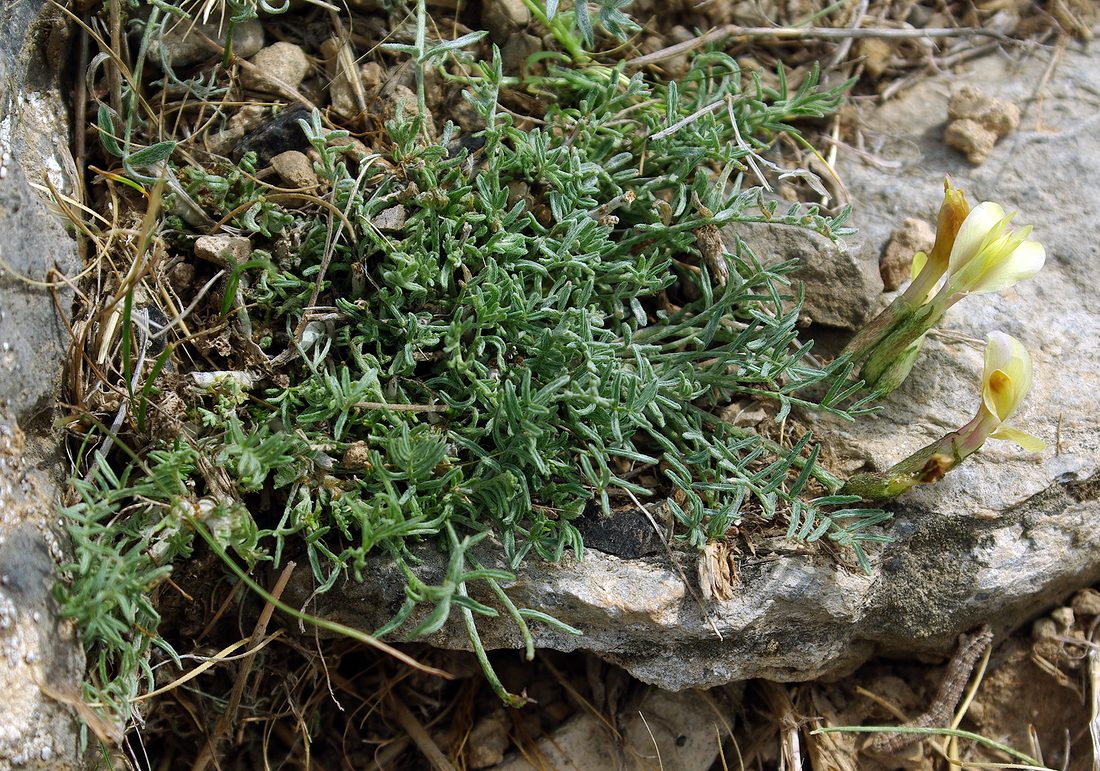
[(295, 170), (912, 236), (976, 122), (1086, 603), (504, 18), (390, 219), (876, 54), (403, 99), (217, 249), (276, 68), (515, 52), (341, 82), (489, 740)]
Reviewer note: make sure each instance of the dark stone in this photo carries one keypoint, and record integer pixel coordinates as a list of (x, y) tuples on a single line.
[(281, 133)]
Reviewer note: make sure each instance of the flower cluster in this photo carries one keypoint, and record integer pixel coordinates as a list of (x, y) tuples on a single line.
[(976, 251)]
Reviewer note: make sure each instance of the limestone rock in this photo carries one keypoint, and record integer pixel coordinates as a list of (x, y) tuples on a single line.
[(977, 121), (38, 653), (391, 219), (912, 236), (276, 69), (842, 282)]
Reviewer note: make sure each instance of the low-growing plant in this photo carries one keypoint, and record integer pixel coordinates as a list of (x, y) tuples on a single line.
[(471, 342)]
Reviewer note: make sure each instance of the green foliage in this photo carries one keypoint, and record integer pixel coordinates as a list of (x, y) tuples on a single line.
[(126, 529), (544, 335)]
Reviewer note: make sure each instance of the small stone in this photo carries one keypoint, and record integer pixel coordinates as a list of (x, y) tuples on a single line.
[(356, 456), (373, 75), (295, 170), (489, 740), (516, 51), (275, 135), (912, 236), (276, 69), (504, 18), (841, 285), (390, 219), (977, 121), (403, 100), (221, 249), (344, 86), (1044, 629), (182, 44), (240, 123), (1063, 617), (1086, 603), (248, 38), (876, 54), (352, 148), (970, 139)]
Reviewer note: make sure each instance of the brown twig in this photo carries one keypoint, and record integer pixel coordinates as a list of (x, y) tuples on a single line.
[(420, 737), (228, 718), (813, 33)]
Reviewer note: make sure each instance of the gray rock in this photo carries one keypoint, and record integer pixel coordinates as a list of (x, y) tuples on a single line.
[(38, 653), (182, 45), (842, 282), (391, 219), (277, 69), (1000, 539)]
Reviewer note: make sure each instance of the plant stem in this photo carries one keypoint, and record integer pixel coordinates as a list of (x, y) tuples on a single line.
[(560, 33)]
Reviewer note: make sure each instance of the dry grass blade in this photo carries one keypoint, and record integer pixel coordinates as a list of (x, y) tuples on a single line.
[(420, 737), (228, 717), (783, 710), (820, 33)]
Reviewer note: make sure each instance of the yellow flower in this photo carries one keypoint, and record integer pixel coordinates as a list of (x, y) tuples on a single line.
[(1006, 380), (988, 256)]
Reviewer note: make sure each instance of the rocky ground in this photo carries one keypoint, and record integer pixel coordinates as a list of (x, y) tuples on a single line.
[(804, 640)]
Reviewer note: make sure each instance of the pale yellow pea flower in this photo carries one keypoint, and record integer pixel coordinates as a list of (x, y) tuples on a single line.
[(1006, 381), (988, 256)]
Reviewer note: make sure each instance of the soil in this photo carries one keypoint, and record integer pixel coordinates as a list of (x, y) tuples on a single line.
[(303, 702)]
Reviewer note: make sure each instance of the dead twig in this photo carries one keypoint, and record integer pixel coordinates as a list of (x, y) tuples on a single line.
[(814, 33), (420, 737)]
